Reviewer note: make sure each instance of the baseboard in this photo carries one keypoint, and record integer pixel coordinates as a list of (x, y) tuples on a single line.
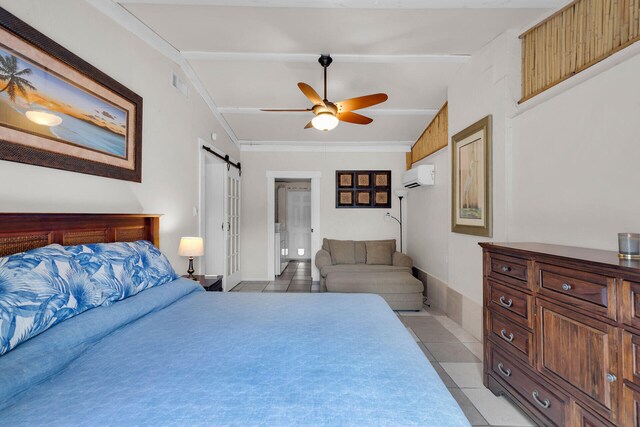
[(462, 310)]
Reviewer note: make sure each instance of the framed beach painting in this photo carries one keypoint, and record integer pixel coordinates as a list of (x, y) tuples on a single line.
[(58, 111), (471, 204)]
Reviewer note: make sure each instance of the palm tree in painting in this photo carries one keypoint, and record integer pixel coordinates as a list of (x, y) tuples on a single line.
[(15, 81)]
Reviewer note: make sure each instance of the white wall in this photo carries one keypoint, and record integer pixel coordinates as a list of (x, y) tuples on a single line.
[(427, 216), (564, 171), (482, 87), (576, 163), (334, 223), (171, 126)]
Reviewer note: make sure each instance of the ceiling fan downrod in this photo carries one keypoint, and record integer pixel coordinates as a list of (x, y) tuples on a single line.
[(325, 61)]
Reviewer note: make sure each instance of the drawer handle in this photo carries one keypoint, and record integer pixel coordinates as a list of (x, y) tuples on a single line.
[(506, 304), (506, 372), (506, 269), (545, 403), (611, 378), (566, 287), (504, 335)]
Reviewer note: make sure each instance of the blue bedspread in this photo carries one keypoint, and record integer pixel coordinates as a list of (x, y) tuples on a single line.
[(175, 356)]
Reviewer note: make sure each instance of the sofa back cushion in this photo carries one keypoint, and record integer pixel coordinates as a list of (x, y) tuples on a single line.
[(380, 252), (342, 251), (361, 252)]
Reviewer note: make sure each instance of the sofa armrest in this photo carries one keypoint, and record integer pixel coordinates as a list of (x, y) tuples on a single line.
[(323, 259), (402, 260)]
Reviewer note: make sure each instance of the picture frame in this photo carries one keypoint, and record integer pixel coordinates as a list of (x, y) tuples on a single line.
[(363, 179), (382, 179), (363, 198), (345, 198), (59, 111), (363, 189), (344, 179), (471, 178)]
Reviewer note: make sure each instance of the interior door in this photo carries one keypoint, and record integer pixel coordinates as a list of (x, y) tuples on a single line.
[(299, 224), (232, 228)]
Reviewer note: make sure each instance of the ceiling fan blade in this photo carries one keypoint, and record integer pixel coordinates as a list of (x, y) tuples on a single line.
[(309, 125), (310, 93), (361, 102), (284, 110), (356, 118)]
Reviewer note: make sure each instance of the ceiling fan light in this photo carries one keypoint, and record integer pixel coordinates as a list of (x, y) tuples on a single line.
[(325, 121)]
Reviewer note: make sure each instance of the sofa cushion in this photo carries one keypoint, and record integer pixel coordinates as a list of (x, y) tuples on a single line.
[(361, 252), (389, 282), (342, 251), (379, 252), (360, 268)]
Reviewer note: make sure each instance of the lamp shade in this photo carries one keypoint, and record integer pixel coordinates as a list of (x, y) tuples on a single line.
[(401, 192), (191, 246)]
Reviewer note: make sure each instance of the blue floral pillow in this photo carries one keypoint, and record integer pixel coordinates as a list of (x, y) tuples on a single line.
[(123, 269), (157, 266), (40, 288)]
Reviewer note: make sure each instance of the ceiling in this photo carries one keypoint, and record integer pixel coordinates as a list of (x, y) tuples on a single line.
[(251, 55)]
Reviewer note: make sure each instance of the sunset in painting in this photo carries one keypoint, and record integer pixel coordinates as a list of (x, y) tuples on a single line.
[(34, 100)]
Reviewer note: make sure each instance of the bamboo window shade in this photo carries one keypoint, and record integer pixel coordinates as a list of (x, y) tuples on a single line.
[(434, 138), (573, 39)]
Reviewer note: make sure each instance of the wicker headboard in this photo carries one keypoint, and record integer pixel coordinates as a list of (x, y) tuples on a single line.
[(20, 232)]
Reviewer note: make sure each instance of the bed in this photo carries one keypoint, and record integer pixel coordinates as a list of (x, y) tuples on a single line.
[(176, 355)]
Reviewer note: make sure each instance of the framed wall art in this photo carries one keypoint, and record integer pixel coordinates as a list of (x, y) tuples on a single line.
[(471, 204), (363, 189), (58, 111)]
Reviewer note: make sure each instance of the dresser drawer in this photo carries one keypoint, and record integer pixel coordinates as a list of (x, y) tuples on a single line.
[(585, 418), (544, 398), (631, 303), (509, 269), (631, 357), (511, 303), (589, 291), (511, 337), (631, 410)]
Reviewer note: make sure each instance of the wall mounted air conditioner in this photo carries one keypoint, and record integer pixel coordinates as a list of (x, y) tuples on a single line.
[(419, 176)]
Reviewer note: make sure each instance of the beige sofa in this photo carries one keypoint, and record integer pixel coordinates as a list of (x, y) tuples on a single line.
[(370, 266)]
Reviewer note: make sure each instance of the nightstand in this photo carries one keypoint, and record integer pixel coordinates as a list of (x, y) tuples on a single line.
[(211, 284)]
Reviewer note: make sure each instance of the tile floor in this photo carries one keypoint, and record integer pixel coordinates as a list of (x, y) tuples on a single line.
[(296, 277), (454, 353)]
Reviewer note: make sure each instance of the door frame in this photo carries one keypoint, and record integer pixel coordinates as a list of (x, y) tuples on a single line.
[(316, 244)]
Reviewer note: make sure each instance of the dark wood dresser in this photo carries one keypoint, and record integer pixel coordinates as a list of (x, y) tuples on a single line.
[(562, 332)]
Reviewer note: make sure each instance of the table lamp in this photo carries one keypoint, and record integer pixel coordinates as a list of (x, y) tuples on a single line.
[(191, 246)]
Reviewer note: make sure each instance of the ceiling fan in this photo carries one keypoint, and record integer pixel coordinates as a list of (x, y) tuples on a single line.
[(329, 114)]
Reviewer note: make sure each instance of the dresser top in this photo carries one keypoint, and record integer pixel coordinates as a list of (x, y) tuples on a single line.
[(593, 256)]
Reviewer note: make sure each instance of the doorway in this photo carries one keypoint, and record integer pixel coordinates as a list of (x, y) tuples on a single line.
[(293, 222), (292, 237), (219, 213)]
